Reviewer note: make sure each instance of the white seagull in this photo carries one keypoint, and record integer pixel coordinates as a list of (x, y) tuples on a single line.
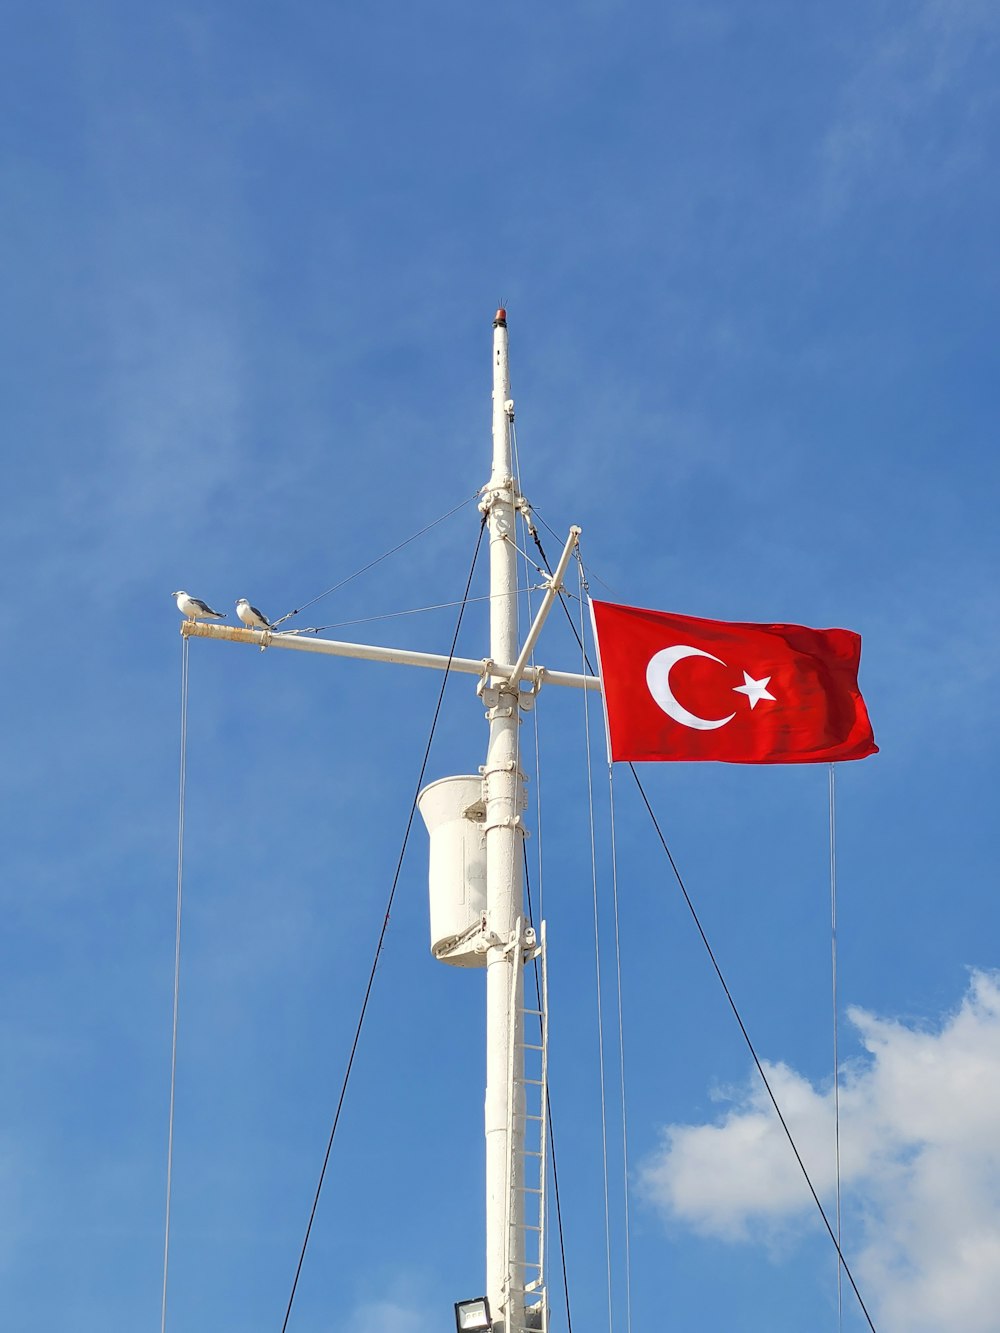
[(251, 617), (194, 608)]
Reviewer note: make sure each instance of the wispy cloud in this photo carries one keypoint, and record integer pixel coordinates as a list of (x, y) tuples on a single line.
[(899, 119), (921, 1164)]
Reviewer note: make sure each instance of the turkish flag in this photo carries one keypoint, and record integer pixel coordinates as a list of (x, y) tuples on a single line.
[(677, 687)]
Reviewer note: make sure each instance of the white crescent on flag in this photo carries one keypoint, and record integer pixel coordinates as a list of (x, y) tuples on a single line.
[(658, 680)]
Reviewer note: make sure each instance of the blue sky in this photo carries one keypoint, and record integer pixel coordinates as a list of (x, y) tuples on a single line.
[(251, 260)]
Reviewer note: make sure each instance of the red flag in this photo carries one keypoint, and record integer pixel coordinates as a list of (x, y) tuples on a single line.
[(677, 687)]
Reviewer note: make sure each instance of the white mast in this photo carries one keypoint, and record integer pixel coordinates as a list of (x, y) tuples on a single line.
[(499, 930), (505, 795)]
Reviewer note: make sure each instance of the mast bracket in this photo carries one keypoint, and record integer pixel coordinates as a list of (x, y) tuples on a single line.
[(526, 698), (508, 766), (499, 710), (524, 939), (510, 821), (504, 492)]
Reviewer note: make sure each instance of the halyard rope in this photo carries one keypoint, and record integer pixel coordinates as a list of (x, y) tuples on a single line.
[(549, 1126), (621, 1055), (548, 1113), (182, 783), (836, 1053), (600, 1005), (528, 590), (584, 590)]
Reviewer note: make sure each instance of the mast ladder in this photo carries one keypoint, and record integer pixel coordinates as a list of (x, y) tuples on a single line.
[(527, 1142)]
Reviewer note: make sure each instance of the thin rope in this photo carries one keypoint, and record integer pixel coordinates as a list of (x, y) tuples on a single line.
[(529, 589), (181, 794), (548, 1115), (836, 1051), (385, 927), (549, 1126), (600, 1006), (372, 563), (411, 611), (591, 574), (621, 1052), (584, 592)]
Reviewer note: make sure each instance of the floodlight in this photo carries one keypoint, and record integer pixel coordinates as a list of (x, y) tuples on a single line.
[(473, 1315)]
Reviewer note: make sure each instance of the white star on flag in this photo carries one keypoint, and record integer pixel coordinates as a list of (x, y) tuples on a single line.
[(755, 690)]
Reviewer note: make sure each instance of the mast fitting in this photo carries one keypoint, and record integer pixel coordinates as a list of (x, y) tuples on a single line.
[(503, 493)]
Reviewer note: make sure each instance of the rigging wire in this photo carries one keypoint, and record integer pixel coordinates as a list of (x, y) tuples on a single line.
[(621, 1052), (372, 563), (732, 1003), (591, 574), (584, 589), (836, 1043), (549, 1125), (385, 927), (548, 1112), (411, 611), (600, 1005), (181, 796), (528, 590)]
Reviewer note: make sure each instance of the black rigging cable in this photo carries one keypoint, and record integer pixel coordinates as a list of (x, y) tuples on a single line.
[(385, 924), (719, 974)]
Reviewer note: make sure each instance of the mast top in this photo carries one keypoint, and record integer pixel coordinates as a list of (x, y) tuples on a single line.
[(500, 318)]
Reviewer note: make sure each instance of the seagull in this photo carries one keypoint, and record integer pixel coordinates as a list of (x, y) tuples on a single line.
[(194, 608), (251, 617)]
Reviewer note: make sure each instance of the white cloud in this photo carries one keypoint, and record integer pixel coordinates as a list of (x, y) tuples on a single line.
[(920, 1165)]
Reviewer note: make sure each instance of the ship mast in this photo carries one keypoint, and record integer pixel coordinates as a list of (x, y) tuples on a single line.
[(505, 796), (476, 824)]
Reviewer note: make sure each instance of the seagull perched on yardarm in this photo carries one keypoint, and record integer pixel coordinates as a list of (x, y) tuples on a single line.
[(251, 617), (194, 608)]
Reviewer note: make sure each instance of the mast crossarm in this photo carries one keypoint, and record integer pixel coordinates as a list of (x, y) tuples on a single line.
[(376, 653), (552, 591)]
